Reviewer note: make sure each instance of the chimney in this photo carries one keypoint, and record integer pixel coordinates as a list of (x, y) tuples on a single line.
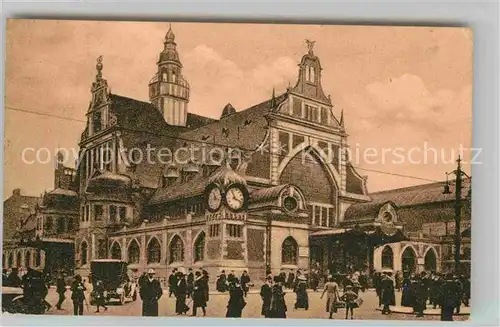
[(16, 192)]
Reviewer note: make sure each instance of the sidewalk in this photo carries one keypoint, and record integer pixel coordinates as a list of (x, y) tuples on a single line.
[(464, 311)]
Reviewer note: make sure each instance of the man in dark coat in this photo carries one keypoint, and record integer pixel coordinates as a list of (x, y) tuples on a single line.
[(231, 277), (236, 301), (190, 282), (266, 295), (388, 297), (449, 292), (180, 294), (150, 293), (205, 280), (78, 295), (245, 281), (199, 298), (465, 281), (172, 282), (60, 289), (419, 291), (222, 282)]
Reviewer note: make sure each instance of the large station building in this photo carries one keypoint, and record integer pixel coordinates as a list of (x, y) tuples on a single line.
[(269, 187)]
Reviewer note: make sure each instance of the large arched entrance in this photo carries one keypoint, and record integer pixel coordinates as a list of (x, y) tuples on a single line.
[(408, 260), (430, 262)]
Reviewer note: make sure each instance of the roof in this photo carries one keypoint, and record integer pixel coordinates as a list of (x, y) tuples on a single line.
[(362, 211), (178, 190), (132, 113), (415, 204), (243, 129), (420, 194), (63, 192), (267, 194)]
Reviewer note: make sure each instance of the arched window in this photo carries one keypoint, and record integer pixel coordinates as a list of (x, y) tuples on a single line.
[(27, 259), (199, 247), (176, 250), (154, 251), (408, 260), (289, 251), (11, 260), (387, 257), (19, 260), (311, 74), (134, 253), (83, 253), (430, 261), (116, 251)]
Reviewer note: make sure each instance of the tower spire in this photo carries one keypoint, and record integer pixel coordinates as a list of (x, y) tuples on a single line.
[(273, 99), (169, 91), (342, 118)]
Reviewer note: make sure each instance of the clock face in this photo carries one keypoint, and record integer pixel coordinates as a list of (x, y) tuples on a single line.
[(214, 199), (290, 203), (235, 198)]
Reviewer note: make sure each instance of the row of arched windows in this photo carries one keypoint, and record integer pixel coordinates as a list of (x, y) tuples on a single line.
[(176, 250), (408, 259), (289, 251)]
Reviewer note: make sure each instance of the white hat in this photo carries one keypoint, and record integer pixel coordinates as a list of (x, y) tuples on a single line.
[(151, 271), (181, 270), (302, 277)]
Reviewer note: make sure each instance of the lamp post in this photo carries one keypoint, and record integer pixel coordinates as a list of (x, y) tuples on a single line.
[(458, 208)]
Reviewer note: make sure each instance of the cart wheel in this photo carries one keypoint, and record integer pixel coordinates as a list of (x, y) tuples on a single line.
[(122, 299)]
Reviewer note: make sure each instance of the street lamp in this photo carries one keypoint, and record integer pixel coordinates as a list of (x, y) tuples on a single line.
[(458, 207)]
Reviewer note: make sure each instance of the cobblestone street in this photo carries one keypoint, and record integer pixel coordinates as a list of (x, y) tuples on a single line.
[(217, 307)]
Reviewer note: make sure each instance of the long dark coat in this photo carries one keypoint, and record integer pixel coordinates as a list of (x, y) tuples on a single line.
[(206, 288), (302, 301), (221, 283), (236, 302), (150, 293), (199, 299), (449, 292), (180, 296), (266, 295), (407, 299), (419, 291), (278, 305), (387, 294)]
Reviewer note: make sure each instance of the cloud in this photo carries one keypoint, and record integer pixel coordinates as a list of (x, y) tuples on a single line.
[(406, 100), (224, 81)]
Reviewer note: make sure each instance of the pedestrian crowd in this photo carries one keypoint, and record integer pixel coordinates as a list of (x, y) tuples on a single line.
[(446, 291)]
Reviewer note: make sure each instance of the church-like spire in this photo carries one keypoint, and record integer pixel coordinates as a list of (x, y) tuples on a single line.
[(273, 99), (342, 118)]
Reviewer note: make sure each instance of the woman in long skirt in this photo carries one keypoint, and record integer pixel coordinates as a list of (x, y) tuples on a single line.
[(301, 291), (278, 306), (236, 301), (199, 299)]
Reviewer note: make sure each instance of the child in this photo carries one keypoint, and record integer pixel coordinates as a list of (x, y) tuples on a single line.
[(350, 298), (99, 294)]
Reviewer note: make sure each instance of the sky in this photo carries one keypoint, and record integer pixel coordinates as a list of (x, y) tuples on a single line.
[(406, 88)]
